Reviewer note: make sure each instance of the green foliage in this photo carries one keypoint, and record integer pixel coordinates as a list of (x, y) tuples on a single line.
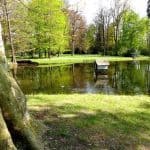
[(22, 38), (90, 37), (131, 35), (134, 32), (44, 26), (50, 25), (19, 26)]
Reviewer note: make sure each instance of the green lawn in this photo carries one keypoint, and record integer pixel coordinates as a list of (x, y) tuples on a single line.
[(93, 121), (66, 59)]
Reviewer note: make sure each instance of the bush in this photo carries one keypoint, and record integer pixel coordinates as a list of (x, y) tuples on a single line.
[(132, 53), (145, 52)]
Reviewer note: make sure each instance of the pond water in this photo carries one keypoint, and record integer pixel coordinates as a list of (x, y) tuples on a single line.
[(121, 78)]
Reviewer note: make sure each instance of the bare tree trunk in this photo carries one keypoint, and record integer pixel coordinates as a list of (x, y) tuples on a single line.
[(103, 36), (73, 47), (9, 32)]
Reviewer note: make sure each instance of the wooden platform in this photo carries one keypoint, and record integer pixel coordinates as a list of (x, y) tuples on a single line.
[(101, 65)]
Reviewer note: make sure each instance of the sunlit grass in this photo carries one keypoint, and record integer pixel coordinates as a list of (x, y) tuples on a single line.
[(94, 121), (83, 59)]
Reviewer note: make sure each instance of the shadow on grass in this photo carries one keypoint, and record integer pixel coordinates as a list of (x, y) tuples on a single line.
[(72, 127), (145, 105)]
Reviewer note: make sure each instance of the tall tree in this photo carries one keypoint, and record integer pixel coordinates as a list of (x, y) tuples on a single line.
[(23, 38), (77, 30), (6, 14), (90, 38), (134, 32), (118, 9), (50, 25), (102, 22)]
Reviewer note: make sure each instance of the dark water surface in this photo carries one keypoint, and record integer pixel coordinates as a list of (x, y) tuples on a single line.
[(121, 78)]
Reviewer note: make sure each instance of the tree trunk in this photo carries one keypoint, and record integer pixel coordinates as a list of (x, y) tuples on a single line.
[(32, 54), (6, 142), (14, 116), (39, 54), (73, 47), (9, 33), (45, 54), (49, 54), (14, 109)]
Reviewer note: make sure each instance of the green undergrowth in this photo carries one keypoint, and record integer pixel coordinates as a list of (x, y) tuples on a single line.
[(93, 121)]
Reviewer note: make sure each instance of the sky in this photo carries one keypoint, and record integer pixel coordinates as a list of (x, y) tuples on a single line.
[(90, 7)]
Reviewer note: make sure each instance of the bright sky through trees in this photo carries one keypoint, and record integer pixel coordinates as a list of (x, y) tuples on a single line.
[(90, 7)]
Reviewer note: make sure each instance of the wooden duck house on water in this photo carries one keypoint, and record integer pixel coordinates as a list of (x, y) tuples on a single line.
[(101, 66)]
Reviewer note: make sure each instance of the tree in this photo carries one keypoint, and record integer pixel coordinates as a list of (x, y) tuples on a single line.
[(90, 38), (102, 22), (134, 32), (22, 30), (14, 116), (118, 9), (6, 15), (16, 25), (100, 34), (77, 30), (120, 29), (50, 24), (108, 27)]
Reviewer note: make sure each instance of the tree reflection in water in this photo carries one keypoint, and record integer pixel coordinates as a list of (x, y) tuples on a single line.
[(122, 78)]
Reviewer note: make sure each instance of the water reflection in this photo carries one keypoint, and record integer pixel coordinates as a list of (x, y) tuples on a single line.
[(121, 78)]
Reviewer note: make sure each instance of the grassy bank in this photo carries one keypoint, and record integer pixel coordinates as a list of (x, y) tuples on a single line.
[(93, 121), (66, 59)]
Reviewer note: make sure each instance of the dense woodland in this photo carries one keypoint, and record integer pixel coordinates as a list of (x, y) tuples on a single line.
[(45, 28)]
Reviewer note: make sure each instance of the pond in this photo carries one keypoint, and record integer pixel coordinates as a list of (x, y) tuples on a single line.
[(121, 78)]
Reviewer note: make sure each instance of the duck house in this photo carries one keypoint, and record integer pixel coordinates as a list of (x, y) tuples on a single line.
[(101, 65)]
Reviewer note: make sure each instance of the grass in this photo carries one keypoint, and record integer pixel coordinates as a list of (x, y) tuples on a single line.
[(66, 59), (93, 121)]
